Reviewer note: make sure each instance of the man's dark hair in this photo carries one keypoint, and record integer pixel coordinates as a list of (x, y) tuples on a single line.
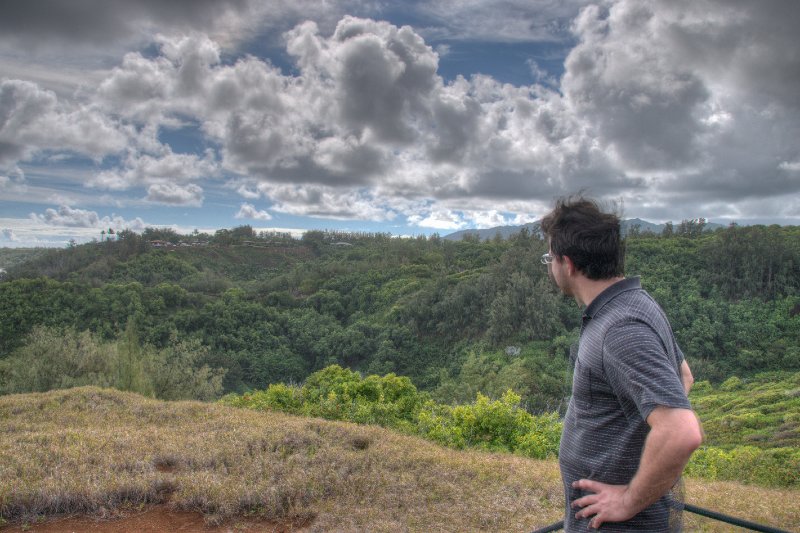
[(579, 229)]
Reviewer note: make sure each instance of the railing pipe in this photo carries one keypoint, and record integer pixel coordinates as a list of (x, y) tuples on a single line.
[(699, 511)]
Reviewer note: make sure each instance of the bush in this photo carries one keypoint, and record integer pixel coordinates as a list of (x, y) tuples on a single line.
[(393, 401), (747, 464), (278, 397), (499, 425)]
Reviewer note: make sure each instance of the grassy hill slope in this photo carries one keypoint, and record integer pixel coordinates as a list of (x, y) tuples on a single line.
[(88, 450)]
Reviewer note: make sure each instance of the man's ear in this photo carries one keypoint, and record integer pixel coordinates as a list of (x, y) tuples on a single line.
[(570, 265)]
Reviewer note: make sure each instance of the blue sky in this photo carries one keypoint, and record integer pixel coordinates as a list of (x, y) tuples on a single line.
[(409, 118)]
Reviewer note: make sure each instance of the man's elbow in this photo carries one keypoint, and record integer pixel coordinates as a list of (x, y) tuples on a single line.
[(681, 427), (693, 440), (691, 436)]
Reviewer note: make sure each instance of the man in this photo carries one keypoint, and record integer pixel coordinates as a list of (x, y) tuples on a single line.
[(629, 429)]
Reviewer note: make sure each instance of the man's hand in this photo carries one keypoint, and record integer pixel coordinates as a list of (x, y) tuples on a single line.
[(674, 435), (609, 503)]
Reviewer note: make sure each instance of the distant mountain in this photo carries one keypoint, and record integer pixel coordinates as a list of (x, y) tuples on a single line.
[(644, 226), (487, 234), (534, 227)]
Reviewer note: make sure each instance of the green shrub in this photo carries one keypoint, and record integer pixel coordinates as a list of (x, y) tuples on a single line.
[(392, 401), (277, 397), (747, 464), (731, 384), (499, 425)]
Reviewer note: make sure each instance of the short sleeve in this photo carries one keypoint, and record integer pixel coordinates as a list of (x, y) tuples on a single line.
[(640, 371)]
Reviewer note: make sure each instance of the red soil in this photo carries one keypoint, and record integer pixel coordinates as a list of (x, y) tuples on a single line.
[(156, 519)]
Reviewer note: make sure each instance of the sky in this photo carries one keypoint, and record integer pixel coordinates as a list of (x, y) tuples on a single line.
[(406, 118)]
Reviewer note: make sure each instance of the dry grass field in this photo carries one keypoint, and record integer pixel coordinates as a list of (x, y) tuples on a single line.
[(95, 453)]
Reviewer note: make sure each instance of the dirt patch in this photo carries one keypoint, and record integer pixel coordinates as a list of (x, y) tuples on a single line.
[(156, 519)]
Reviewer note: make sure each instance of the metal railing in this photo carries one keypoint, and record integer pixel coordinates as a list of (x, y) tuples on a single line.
[(699, 511)]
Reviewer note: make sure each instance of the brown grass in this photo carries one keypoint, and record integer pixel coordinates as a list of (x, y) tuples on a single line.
[(95, 452)]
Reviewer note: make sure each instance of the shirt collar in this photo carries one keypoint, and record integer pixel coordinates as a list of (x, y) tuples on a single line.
[(627, 284)]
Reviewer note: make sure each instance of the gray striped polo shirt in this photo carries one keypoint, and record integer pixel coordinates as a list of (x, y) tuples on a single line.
[(627, 364)]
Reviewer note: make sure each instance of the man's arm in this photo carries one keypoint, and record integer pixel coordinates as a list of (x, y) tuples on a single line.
[(686, 377), (674, 435)]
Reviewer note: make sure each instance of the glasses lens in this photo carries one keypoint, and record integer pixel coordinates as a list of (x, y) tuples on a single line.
[(547, 259)]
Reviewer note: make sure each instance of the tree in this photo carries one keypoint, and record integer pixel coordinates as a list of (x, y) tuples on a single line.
[(133, 363), (178, 372), (52, 358)]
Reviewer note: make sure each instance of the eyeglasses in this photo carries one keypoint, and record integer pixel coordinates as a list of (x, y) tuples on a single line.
[(547, 259)]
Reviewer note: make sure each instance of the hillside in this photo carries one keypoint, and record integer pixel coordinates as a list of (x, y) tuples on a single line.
[(102, 453), (195, 317)]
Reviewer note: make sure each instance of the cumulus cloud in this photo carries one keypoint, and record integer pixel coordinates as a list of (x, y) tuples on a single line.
[(32, 119), (443, 219), (660, 104), (328, 202), (82, 218), (67, 216), (369, 109), (427, 215), (679, 97), (9, 235), (249, 211), (164, 168), (175, 194), (489, 219), (642, 106)]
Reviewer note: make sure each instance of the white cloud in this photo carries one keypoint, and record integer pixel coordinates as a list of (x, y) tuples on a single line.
[(33, 120), (524, 218), (9, 235), (249, 211), (677, 96), (541, 75), (443, 219), (662, 102), (161, 169), (643, 106), (66, 216), (246, 192), (368, 109), (327, 202), (487, 219), (55, 74), (175, 194)]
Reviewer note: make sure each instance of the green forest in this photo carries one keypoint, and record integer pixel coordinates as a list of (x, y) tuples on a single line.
[(464, 322)]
